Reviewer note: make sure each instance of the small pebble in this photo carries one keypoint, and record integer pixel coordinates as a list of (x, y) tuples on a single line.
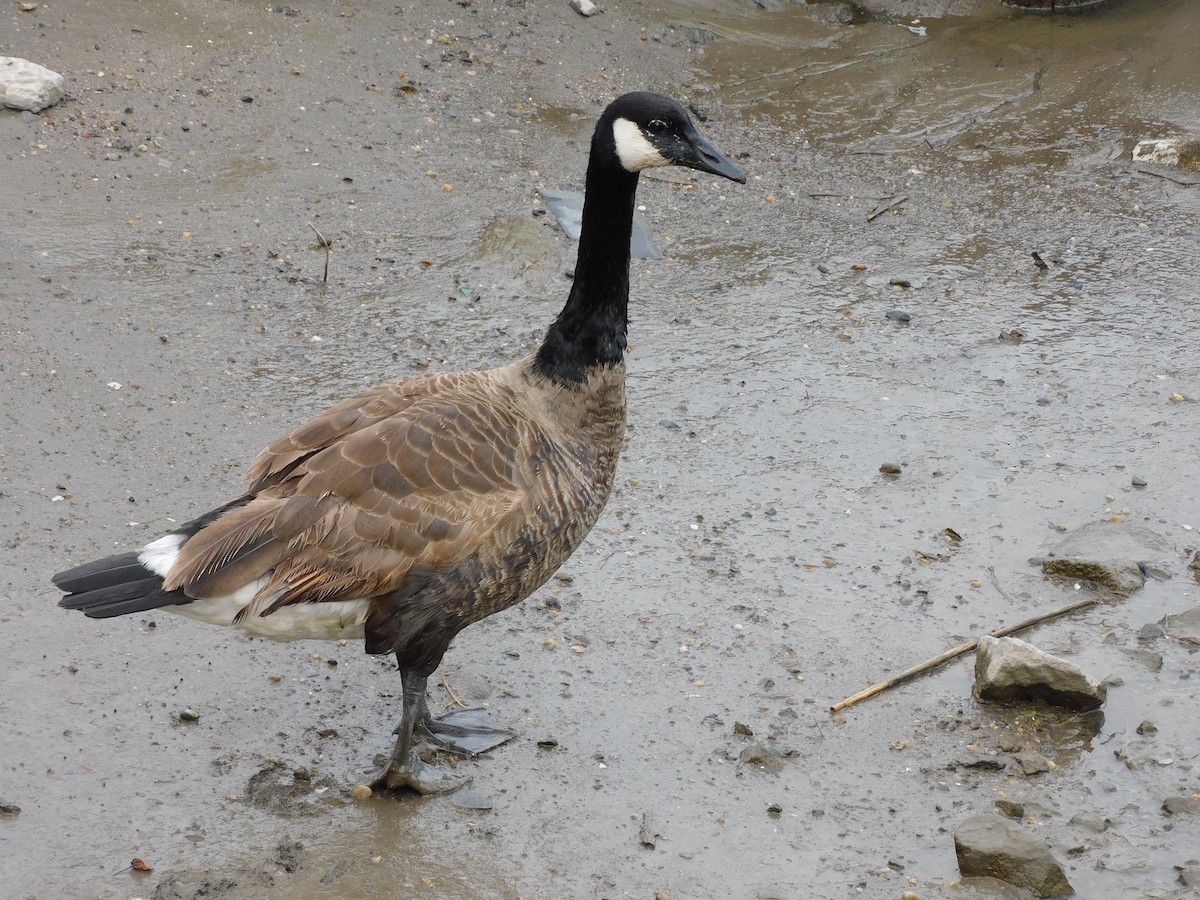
[(889, 468), (9, 809), (1139, 481), (899, 315), (189, 715), (1147, 727), (361, 792)]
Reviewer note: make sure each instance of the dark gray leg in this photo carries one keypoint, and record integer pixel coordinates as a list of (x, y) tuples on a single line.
[(404, 768)]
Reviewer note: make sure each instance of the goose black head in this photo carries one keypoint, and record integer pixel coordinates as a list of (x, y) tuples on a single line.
[(649, 130)]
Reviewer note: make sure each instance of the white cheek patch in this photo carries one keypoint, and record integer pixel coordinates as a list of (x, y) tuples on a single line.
[(633, 149)]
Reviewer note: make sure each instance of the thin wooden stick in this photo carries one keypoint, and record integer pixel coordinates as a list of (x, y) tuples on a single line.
[(879, 212), (328, 245), (959, 651)]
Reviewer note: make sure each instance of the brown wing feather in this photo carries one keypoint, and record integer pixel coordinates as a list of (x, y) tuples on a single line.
[(349, 503), (351, 415)]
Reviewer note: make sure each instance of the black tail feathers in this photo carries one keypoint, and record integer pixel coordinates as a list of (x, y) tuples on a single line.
[(114, 586)]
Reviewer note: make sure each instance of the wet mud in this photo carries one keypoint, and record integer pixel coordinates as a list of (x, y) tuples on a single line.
[(163, 316)]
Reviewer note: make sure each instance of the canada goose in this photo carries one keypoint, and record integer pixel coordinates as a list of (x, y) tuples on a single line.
[(404, 514)]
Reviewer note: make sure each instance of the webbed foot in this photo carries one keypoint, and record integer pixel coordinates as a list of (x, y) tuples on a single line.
[(415, 775), (465, 731)]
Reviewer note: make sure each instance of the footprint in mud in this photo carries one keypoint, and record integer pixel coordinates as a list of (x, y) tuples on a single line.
[(196, 884), (279, 789)]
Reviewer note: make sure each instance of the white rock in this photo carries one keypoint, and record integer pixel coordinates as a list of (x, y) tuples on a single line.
[(1182, 153), (26, 85), (584, 7)]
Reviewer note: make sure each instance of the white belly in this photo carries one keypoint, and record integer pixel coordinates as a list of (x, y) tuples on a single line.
[(341, 619)]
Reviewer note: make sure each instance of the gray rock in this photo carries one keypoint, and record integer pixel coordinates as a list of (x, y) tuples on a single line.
[(762, 756), (1009, 670), (1029, 762), (1151, 631), (994, 847), (26, 85), (1089, 822), (1110, 554), (1178, 806), (1189, 874), (1184, 626), (1151, 659)]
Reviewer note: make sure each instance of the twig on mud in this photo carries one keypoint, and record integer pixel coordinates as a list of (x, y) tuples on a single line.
[(960, 650), (328, 245), (1187, 180), (881, 210), (450, 691), (996, 583)]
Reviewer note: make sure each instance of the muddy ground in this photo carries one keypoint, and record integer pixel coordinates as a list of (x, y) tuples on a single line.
[(162, 317)]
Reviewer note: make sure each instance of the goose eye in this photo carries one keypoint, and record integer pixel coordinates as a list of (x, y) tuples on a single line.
[(656, 126)]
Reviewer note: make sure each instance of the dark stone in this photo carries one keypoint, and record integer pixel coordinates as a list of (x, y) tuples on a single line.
[(979, 762), (1109, 554)]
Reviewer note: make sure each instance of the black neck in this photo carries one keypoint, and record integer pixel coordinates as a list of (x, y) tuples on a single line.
[(590, 330)]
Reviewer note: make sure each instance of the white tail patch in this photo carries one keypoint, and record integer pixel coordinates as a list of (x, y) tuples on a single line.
[(634, 149), (158, 556)]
